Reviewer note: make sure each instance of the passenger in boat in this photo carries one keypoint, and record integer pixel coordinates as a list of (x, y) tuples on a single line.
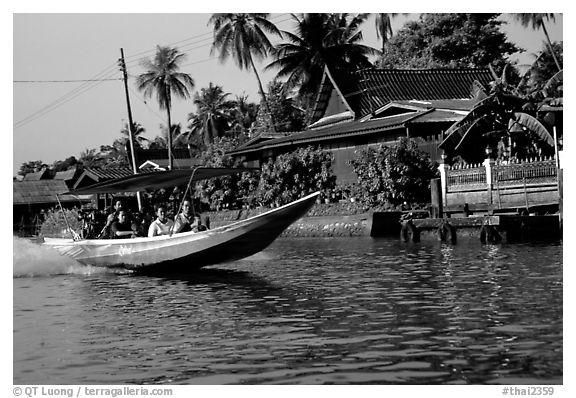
[(184, 220), (122, 228), (113, 216), (197, 225), (162, 225)]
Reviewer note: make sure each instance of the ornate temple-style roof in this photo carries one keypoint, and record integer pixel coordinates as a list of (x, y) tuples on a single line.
[(367, 90)]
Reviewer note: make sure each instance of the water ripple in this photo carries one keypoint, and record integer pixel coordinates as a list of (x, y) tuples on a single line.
[(305, 311)]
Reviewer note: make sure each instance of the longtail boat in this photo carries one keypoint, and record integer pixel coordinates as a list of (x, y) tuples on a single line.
[(180, 252)]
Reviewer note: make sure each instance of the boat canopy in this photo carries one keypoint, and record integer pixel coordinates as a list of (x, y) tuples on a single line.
[(157, 180)]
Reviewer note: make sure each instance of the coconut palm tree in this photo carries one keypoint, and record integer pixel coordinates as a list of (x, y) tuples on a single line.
[(319, 41), (536, 21), (244, 114), (243, 36), (137, 131), (384, 27), (90, 158), (163, 78), (214, 114)]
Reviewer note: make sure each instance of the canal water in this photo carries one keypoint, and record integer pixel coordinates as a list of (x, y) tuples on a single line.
[(304, 311)]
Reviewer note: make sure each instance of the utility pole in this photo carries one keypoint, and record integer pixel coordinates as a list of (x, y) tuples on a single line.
[(122, 65)]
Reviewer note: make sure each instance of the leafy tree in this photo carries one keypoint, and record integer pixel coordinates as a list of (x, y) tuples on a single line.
[(394, 174), (537, 22), (229, 191), (243, 36), (158, 142), (213, 116), (448, 41), (287, 115), (163, 78), (32, 166), (320, 40), (295, 174), (63, 165)]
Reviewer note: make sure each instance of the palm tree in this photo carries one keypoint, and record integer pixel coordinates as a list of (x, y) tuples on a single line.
[(214, 114), (384, 27), (90, 158), (537, 22), (244, 114), (321, 40), (163, 78), (243, 37), (137, 130)]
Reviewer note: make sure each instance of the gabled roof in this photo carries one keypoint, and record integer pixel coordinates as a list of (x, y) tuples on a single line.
[(68, 176), (43, 191), (65, 175), (367, 90), (353, 128), (163, 164), (93, 175), (263, 136), (37, 176)]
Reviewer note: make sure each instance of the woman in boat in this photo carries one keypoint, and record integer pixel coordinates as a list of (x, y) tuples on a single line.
[(162, 225)]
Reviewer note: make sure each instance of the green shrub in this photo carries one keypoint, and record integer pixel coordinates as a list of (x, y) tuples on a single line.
[(230, 191), (55, 226), (394, 174), (293, 175)]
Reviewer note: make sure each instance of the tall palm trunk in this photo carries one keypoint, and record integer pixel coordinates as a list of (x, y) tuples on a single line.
[(550, 45), (170, 159), (263, 95)]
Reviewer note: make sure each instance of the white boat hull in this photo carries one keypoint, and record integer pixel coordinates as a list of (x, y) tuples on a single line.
[(189, 250)]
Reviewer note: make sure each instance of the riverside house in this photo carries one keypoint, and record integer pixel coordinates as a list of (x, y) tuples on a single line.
[(355, 109)]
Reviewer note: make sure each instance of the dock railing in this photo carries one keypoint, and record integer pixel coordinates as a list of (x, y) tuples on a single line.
[(500, 185)]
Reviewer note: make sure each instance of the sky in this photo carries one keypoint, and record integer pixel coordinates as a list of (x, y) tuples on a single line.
[(59, 112)]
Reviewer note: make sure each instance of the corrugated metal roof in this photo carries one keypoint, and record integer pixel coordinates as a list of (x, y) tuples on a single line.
[(43, 191), (369, 89), (437, 116), (37, 176), (380, 86), (353, 128), (109, 173)]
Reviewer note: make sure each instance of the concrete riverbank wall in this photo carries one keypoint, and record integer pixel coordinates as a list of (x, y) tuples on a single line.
[(332, 220), (323, 220)]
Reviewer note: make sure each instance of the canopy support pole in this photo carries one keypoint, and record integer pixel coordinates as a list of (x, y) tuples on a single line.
[(75, 236)]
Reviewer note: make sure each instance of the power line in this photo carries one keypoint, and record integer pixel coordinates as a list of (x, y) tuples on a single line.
[(105, 75), (148, 106), (64, 81)]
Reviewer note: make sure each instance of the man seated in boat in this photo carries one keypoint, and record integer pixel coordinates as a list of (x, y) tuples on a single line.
[(183, 221), (162, 225), (122, 228)]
